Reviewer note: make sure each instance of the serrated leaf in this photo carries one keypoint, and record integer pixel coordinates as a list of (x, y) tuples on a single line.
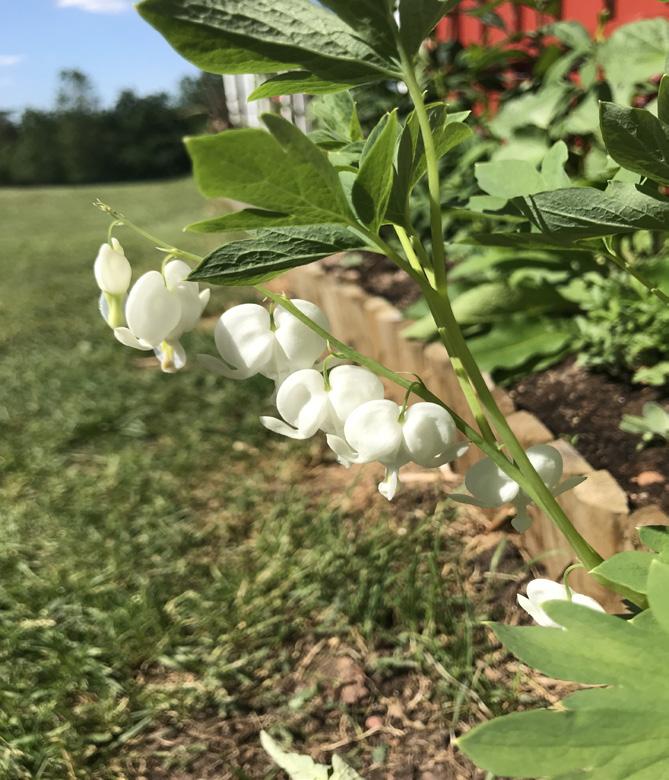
[(613, 733), (584, 212), (418, 18), (371, 188), (297, 767), (234, 36), (509, 178), (282, 172), (636, 140), (510, 344), (254, 260), (628, 569), (296, 82)]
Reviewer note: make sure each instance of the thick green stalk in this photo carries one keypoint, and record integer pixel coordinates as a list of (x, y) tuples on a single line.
[(436, 229), (453, 340)]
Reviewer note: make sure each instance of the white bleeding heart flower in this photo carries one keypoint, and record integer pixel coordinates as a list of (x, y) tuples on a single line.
[(380, 431), (161, 307), (309, 403), (540, 591), (112, 273), (252, 341), (490, 486)]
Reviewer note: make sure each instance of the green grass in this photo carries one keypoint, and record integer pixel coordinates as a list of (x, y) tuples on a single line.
[(152, 531)]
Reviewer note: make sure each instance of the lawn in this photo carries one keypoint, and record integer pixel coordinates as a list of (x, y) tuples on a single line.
[(173, 578)]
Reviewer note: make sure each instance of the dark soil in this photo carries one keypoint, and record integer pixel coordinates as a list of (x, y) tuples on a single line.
[(587, 408), (376, 275)]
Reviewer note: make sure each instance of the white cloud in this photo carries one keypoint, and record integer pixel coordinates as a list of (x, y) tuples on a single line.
[(96, 6), (7, 60)]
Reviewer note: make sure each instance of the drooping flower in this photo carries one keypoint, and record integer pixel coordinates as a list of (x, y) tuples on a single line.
[(161, 307), (381, 431), (112, 273), (309, 402), (540, 591), (252, 341), (490, 486)]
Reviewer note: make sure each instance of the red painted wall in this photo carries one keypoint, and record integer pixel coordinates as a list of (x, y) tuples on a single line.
[(467, 29)]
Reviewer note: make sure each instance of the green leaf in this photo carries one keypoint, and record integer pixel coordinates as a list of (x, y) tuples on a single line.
[(448, 131), (246, 219), (372, 185), (296, 82), (337, 115), (663, 100), (371, 19), (628, 569), (552, 167), (658, 592), (633, 54), (656, 537), (488, 302), (282, 172), (234, 36), (618, 732), (636, 140), (255, 260), (585, 212), (342, 771), (510, 344), (509, 178), (418, 18)]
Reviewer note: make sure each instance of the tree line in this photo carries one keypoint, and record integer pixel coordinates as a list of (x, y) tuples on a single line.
[(78, 141)]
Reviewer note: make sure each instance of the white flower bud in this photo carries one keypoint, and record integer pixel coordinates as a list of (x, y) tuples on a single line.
[(490, 486), (540, 591), (250, 341), (306, 404), (112, 269), (378, 431)]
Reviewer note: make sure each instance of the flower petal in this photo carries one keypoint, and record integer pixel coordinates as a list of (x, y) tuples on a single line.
[(175, 273), (112, 269), (130, 340), (300, 346), (345, 454), (217, 366), (152, 311), (548, 463), (488, 483), (388, 487), (374, 432), (536, 613), (279, 426), (350, 387), (541, 590), (429, 433), (296, 391), (244, 339)]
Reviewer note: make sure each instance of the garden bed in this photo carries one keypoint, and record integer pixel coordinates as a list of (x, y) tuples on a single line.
[(587, 407)]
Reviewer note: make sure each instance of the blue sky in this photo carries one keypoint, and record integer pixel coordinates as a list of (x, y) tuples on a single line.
[(105, 38)]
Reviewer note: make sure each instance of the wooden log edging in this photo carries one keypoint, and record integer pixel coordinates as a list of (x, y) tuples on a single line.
[(598, 507)]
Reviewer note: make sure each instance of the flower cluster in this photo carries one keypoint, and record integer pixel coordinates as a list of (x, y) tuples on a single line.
[(158, 310), (346, 402)]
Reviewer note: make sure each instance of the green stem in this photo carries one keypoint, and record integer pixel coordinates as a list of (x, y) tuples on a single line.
[(121, 219), (436, 227), (408, 384), (531, 482), (626, 266)]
